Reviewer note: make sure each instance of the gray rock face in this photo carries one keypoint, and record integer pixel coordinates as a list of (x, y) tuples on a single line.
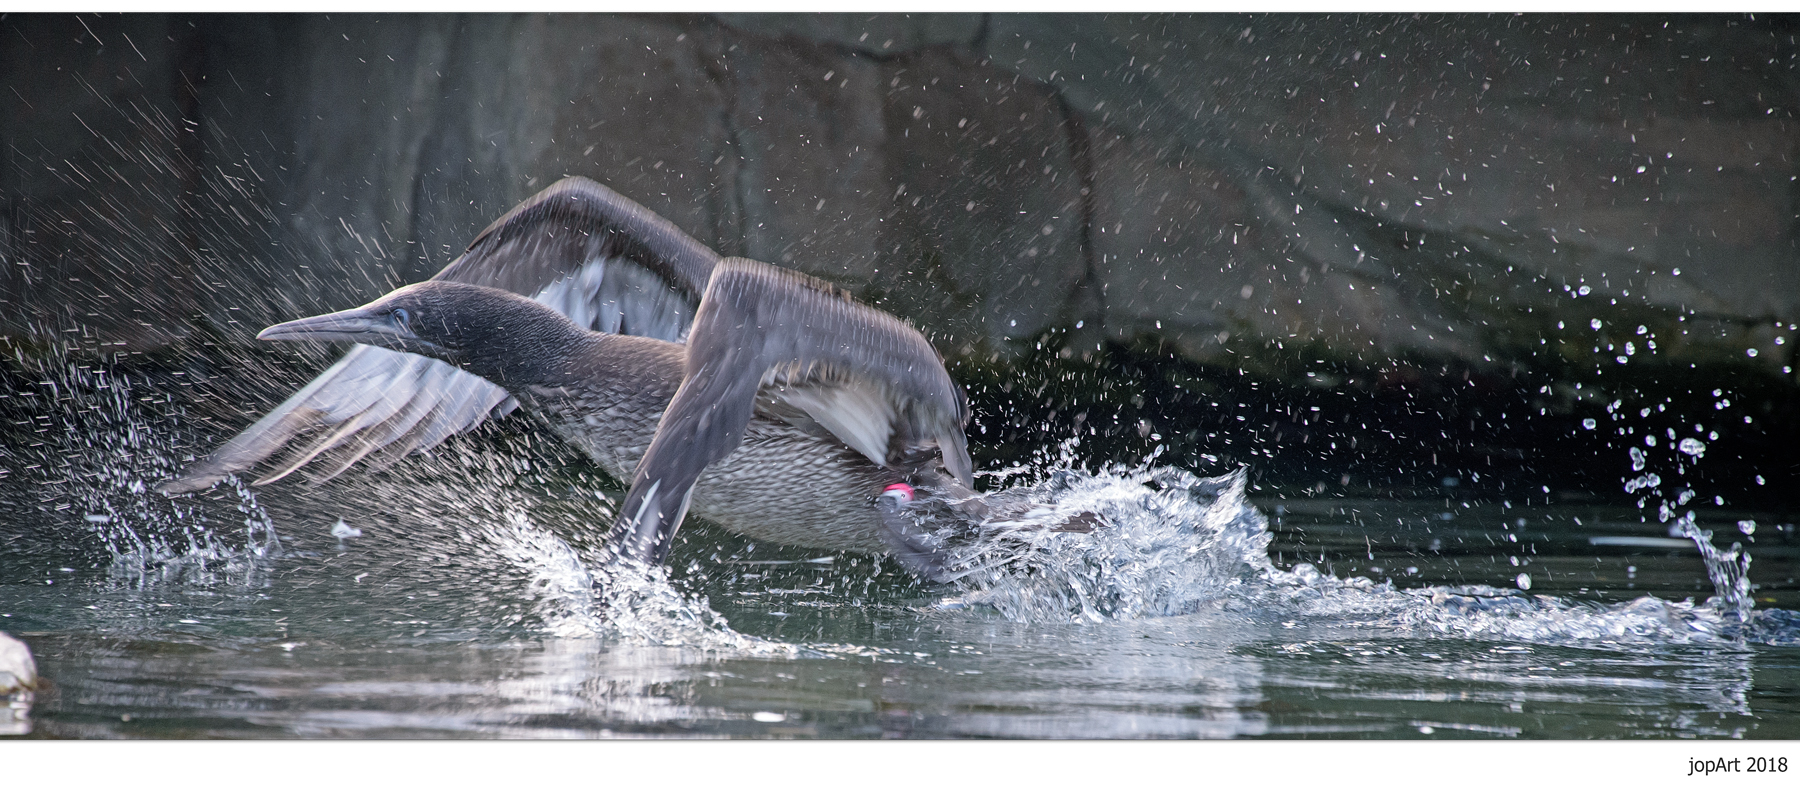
[(1472, 188)]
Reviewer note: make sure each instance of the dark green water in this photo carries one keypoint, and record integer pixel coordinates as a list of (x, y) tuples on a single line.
[(468, 608)]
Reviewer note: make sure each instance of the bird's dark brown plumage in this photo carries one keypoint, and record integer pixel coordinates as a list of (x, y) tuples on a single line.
[(786, 480), (784, 413)]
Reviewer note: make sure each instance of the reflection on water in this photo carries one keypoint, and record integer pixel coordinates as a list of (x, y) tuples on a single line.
[(1181, 678), (464, 596)]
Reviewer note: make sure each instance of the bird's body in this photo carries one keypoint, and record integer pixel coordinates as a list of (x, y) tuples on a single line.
[(605, 395)]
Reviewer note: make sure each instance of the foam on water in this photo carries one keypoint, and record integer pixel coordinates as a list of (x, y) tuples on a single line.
[(1171, 544), (1180, 544)]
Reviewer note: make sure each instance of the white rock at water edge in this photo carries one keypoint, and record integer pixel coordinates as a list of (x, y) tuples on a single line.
[(17, 670)]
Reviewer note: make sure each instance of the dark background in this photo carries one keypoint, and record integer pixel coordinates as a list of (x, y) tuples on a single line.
[(1363, 254)]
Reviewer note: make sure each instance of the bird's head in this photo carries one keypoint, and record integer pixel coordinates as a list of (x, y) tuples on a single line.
[(455, 322)]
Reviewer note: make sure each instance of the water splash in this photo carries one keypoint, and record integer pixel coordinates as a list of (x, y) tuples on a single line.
[(98, 460), (1180, 544), (96, 464), (558, 582), (1171, 544), (627, 603), (641, 606), (1728, 570)]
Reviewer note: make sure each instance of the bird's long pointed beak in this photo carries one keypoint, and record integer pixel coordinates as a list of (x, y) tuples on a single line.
[(358, 324)]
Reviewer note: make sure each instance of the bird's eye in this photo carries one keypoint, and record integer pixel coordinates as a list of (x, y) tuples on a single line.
[(402, 318)]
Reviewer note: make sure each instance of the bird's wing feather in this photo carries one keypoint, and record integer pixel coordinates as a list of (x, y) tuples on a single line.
[(584, 250), (575, 220), (863, 375), (857, 412)]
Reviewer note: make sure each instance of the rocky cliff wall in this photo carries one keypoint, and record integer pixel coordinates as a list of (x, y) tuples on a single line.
[(1477, 189)]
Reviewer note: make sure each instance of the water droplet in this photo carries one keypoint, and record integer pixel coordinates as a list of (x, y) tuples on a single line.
[(1596, 322), (768, 717), (1584, 291), (1750, 351), (1693, 447), (1747, 527), (1524, 581), (1589, 423)]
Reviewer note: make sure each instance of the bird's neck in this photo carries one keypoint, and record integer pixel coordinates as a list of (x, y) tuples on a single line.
[(546, 350), (528, 348)]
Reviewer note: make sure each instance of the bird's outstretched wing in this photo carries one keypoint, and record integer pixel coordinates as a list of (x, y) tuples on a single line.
[(596, 256), (863, 375)]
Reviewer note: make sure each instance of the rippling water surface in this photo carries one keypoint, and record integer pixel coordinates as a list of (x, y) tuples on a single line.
[(462, 596)]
